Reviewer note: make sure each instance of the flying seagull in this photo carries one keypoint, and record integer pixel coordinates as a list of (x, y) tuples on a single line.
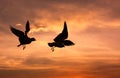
[(23, 37), (60, 41)]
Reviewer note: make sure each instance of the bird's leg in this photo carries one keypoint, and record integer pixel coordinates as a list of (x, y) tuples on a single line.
[(24, 47), (19, 45), (52, 48)]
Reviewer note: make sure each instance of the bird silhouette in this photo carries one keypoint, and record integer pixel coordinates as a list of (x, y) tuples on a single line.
[(23, 37), (60, 40)]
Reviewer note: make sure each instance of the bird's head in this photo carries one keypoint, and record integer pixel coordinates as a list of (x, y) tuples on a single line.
[(51, 44)]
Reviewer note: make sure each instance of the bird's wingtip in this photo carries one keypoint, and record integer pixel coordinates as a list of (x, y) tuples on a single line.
[(27, 21), (10, 27), (64, 21)]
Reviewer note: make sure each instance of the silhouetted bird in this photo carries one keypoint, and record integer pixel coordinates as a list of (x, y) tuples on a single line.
[(60, 41), (23, 37)]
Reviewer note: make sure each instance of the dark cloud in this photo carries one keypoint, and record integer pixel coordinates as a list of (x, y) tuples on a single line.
[(45, 73), (43, 61), (103, 69), (12, 12), (96, 69), (54, 68), (53, 63)]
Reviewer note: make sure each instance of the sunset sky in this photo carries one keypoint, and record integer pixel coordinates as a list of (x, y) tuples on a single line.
[(93, 25)]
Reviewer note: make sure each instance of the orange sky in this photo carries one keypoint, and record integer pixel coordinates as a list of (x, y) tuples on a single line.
[(93, 25)]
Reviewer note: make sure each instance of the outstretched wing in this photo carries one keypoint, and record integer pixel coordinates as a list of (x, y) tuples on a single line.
[(68, 43), (27, 27), (64, 35), (17, 32)]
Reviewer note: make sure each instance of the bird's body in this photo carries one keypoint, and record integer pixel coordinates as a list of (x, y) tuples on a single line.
[(25, 40), (22, 36), (61, 40)]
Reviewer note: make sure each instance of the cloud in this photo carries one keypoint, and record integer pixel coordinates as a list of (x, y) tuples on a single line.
[(45, 13), (46, 73), (100, 34), (38, 61), (96, 69), (106, 70), (107, 36), (22, 10)]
